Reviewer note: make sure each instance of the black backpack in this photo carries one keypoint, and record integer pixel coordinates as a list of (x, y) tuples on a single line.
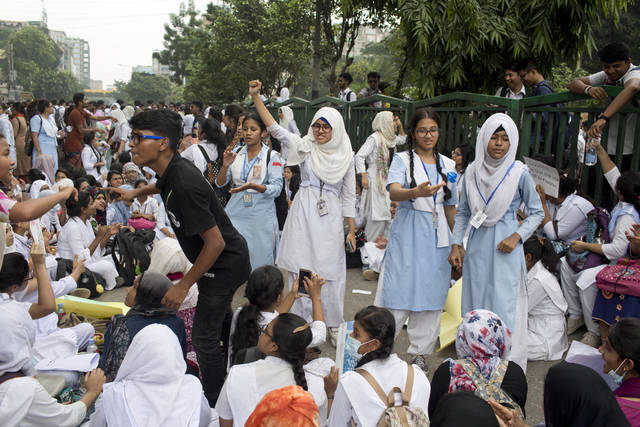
[(88, 280), (130, 253), (210, 173)]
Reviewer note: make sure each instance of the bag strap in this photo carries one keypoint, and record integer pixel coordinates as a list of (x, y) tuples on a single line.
[(204, 153), (374, 384), (408, 387), (10, 375)]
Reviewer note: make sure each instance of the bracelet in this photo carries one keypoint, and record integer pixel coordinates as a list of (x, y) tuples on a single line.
[(586, 89)]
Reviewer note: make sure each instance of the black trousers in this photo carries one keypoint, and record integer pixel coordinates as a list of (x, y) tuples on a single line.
[(211, 325)]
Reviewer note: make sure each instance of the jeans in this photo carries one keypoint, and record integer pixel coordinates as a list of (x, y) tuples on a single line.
[(211, 325)]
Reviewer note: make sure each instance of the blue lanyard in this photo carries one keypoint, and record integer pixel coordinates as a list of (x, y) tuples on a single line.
[(475, 177), (437, 180), (248, 166)]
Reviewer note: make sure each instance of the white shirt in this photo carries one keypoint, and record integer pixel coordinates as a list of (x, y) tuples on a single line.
[(619, 242), (356, 400), (75, 239), (571, 216), (600, 78), (194, 154), (89, 159), (24, 402), (247, 384), (149, 207), (347, 95), (511, 94), (187, 124)]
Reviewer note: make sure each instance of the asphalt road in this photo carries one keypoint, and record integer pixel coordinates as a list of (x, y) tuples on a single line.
[(536, 371)]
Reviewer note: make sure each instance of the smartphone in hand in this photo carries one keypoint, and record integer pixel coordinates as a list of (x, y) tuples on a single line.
[(301, 275)]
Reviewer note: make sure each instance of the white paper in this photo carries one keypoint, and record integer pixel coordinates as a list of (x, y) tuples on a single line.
[(79, 362), (586, 355), (361, 291), (35, 227), (544, 175)]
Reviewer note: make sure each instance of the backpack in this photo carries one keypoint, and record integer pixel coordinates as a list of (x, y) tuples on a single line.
[(88, 280), (210, 173), (597, 232), (119, 342), (130, 253), (397, 416), (491, 389), (622, 278)]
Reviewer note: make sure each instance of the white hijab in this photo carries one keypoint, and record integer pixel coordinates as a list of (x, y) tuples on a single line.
[(4, 227), (49, 126), (151, 388), (62, 184), (18, 336), (287, 116), (488, 172), (34, 190), (329, 161), (284, 94), (383, 125)]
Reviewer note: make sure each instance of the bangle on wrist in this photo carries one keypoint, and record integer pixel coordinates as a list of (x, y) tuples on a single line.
[(586, 90)]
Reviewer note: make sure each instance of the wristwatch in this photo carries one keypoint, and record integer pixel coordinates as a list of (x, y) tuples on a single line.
[(603, 117)]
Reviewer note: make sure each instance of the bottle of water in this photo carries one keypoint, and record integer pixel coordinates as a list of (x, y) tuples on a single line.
[(590, 155), (92, 347), (60, 311)]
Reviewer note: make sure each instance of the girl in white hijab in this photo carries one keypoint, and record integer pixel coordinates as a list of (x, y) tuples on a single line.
[(372, 163), (496, 185), (313, 234), (151, 388)]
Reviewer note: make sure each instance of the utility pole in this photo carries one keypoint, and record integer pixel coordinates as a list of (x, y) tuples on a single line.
[(317, 38), (11, 81)]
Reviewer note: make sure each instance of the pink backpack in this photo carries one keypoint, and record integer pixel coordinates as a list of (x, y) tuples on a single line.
[(622, 278)]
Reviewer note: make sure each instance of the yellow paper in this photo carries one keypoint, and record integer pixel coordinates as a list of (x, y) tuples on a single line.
[(92, 308), (451, 316)]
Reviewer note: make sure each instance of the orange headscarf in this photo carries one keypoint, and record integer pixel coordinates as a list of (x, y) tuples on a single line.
[(287, 406)]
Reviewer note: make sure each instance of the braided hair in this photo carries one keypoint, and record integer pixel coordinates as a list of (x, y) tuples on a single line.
[(292, 334), (379, 324), (420, 114), (541, 249), (264, 286)]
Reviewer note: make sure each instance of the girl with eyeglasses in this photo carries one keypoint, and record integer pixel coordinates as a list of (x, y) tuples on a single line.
[(313, 234), (414, 280)]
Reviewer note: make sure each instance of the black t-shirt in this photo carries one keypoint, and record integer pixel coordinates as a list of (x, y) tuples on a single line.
[(514, 384), (192, 207)]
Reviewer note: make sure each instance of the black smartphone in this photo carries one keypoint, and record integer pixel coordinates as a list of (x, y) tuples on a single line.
[(302, 274)]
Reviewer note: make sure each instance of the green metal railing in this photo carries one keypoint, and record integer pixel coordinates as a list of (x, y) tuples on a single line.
[(462, 115)]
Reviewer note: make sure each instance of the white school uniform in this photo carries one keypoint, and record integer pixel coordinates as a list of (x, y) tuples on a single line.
[(247, 384), (547, 332), (356, 400), (376, 206), (571, 216), (149, 207), (89, 159), (194, 154), (75, 239)]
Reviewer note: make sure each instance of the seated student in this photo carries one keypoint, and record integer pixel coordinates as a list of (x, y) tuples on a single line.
[(580, 287), (547, 335), (621, 354), (50, 220), (372, 343), (117, 211), (283, 341), (77, 238), (634, 240), (481, 359), (23, 401), (574, 395), (463, 408), (131, 173), (100, 202), (565, 216), (144, 298), (286, 406), (151, 388), (61, 174), (144, 210), (264, 292), (92, 159)]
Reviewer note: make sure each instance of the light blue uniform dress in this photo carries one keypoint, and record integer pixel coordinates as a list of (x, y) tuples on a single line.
[(253, 213), (416, 271), (491, 278), (48, 144)]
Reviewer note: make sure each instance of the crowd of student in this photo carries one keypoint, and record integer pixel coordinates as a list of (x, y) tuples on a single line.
[(228, 197)]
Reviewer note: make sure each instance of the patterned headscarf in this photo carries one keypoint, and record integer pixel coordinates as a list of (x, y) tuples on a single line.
[(129, 167), (484, 339), (286, 406)]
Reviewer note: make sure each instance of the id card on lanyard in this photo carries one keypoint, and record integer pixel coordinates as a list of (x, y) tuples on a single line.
[(480, 217), (435, 196), (247, 168)]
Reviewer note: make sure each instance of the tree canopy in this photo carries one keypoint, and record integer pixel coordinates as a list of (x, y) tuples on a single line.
[(144, 86)]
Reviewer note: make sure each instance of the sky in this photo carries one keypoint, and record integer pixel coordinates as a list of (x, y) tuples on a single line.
[(121, 33)]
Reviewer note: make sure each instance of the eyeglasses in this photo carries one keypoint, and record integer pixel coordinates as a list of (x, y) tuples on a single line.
[(29, 277), (324, 126), (423, 132), (454, 153), (136, 137), (263, 330)]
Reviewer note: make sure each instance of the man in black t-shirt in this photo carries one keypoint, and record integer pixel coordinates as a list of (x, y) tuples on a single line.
[(218, 252)]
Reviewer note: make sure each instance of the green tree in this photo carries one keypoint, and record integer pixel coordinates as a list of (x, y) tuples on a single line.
[(34, 52), (54, 84), (144, 86), (464, 45)]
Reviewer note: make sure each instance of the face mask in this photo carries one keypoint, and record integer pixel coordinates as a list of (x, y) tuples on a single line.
[(352, 346), (617, 378)]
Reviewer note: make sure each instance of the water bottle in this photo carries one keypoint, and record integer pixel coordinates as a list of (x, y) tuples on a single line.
[(590, 155), (92, 347), (60, 311)]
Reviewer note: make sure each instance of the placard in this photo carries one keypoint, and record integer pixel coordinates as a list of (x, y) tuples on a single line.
[(544, 175)]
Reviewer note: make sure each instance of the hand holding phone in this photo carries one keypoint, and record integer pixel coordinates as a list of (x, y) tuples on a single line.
[(301, 275)]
